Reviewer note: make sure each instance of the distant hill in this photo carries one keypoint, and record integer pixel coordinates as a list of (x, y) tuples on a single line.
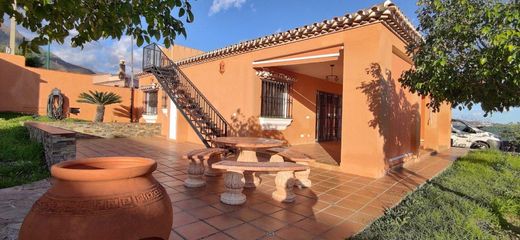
[(56, 62)]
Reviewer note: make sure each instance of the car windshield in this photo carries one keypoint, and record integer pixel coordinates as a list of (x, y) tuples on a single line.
[(459, 125)]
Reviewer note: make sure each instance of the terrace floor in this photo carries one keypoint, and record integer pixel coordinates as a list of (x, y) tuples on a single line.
[(335, 207)]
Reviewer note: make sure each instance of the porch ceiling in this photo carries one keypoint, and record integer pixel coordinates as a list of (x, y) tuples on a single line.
[(318, 70)]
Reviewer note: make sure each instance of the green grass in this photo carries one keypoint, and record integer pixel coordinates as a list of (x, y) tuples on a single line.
[(478, 197), (21, 160)]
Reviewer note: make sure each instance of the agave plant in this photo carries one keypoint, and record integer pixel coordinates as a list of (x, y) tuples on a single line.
[(101, 99)]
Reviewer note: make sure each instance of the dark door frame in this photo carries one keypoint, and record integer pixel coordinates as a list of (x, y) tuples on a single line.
[(328, 127)]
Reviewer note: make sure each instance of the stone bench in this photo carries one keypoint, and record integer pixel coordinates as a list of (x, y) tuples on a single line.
[(235, 173), (58, 144), (196, 165), (285, 154)]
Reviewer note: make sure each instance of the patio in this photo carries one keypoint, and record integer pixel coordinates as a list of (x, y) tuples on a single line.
[(337, 206)]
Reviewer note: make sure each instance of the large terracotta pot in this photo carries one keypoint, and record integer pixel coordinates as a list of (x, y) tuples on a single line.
[(101, 198)]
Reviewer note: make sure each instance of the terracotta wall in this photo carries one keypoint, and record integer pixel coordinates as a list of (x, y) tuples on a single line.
[(26, 89), (236, 93), (381, 120), (382, 123)]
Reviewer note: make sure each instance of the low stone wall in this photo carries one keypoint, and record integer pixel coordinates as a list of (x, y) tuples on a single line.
[(58, 144), (110, 130)]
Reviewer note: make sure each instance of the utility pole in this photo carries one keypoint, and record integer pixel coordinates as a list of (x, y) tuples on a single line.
[(12, 35), (49, 54), (131, 78)]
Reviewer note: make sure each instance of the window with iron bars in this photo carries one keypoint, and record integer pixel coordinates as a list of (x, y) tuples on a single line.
[(164, 100), (150, 103), (276, 99)]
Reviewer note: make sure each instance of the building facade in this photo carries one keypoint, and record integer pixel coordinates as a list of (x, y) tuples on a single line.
[(333, 84)]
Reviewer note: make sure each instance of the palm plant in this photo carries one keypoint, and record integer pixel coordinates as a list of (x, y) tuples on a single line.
[(101, 99)]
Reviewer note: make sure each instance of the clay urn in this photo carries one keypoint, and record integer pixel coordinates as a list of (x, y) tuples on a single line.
[(101, 198)]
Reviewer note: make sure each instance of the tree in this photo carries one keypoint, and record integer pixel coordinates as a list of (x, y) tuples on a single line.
[(470, 54), (101, 99), (91, 20), (33, 60)]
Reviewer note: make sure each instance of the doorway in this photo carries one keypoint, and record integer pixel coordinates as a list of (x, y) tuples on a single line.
[(328, 117)]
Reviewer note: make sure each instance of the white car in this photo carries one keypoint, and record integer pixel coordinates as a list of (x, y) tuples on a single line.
[(466, 136)]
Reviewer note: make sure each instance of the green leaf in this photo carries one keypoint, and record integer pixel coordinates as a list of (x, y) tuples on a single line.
[(139, 40)]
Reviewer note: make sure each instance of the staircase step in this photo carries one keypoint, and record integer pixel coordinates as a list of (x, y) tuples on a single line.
[(186, 96)]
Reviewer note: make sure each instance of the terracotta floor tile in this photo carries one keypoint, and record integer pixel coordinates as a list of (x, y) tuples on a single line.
[(287, 216), (362, 218), (245, 231), (246, 214), (312, 226), (343, 231), (223, 222), (302, 210), (226, 208), (176, 209), (329, 198), (175, 236), (328, 219), (182, 218), (319, 205), (268, 224), (339, 211), (373, 210), (196, 230), (351, 204), (190, 203), (294, 233), (204, 212), (359, 198), (335, 198), (178, 197), (218, 236), (266, 208), (338, 193)]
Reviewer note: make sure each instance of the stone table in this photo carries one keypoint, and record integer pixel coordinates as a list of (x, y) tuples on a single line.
[(247, 147)]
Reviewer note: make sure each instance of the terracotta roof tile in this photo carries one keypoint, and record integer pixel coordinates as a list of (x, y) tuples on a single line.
[(387, 13)]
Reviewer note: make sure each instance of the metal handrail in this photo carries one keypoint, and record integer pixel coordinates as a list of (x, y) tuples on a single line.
[(155, 58)]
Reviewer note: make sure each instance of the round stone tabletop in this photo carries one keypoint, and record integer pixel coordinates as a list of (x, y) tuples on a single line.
[(248, 142)]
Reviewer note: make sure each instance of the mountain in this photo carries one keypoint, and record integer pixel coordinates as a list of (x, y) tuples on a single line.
[(56, 63)]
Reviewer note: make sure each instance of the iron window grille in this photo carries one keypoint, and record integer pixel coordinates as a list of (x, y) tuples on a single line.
[(150, 103), (164, 100), (276, 99)]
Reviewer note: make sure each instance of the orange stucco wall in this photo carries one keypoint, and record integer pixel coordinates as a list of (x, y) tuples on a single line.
[(382, 122), (26, 89)]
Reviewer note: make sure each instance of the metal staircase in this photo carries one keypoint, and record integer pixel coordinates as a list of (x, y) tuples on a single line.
[(202, 116)]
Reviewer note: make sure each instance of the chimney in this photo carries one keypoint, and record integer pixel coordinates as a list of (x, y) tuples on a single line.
[(122, 71)]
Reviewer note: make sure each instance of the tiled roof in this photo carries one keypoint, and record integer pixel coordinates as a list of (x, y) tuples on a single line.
[(387, 13)]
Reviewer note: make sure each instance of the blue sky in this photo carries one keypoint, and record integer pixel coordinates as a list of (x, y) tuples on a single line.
[(219, 23)]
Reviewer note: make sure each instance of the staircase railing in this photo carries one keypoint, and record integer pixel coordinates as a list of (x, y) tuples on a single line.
[(156, 61)]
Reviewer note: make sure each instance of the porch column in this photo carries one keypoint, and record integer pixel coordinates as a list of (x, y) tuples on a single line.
[(366, 49)]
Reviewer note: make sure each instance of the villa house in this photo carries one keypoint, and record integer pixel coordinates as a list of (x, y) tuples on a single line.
[(331, 86), (329, 89)]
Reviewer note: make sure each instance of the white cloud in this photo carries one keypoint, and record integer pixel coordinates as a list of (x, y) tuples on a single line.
[(220, 5), (279, 30), (101, 56)]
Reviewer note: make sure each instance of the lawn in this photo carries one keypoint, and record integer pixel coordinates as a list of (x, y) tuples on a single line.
[(21, 160), (478, 197)]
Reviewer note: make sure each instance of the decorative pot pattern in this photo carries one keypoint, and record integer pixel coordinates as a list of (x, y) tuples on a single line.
[(101, 198)]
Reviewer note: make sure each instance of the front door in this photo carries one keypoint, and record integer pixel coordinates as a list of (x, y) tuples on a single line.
[(328, 116)]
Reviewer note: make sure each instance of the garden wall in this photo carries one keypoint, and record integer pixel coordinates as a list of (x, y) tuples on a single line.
[(110, 130), (26, 89), (58, 144)]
